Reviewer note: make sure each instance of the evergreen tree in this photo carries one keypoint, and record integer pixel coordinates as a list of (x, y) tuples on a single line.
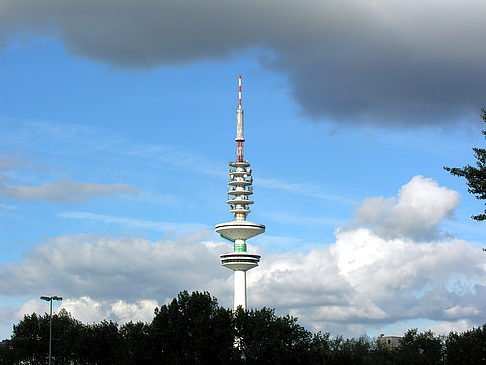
[(475, 176)]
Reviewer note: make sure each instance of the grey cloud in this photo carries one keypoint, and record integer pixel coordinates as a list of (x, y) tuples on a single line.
[(385, 63), (64, 191)]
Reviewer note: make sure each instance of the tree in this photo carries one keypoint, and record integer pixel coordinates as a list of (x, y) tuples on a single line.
[(475, 176), (466, 348), (264, 338), (100, 343), (192, 329), (136, 343), (420, 348), (349, 351), (30, 339), (6, 353)]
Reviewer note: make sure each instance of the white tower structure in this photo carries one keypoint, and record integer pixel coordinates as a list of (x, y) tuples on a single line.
[(239, 229)]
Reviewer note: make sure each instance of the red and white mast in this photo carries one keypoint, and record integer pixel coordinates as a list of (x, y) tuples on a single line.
[(239, 126)]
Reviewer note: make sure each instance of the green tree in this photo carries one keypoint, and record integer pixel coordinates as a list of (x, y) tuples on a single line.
[(264, 338), (30, 339), (6, 353), (466, 348), (420, 348), (192, 329), (320, 349), (349, 351), (65, 335), (137, 347), (100, 343), (475, 176)]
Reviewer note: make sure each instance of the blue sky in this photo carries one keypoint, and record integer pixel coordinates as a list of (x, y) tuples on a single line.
[(118, 121)]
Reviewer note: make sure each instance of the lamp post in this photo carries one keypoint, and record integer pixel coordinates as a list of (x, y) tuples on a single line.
[(50, 299)]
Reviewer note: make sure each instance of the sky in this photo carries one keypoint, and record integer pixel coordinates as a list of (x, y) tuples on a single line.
[(118, 121)]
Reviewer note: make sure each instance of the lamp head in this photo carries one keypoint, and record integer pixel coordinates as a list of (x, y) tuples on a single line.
[(48, 299)]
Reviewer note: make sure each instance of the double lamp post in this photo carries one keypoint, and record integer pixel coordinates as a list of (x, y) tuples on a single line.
[(50, 299)]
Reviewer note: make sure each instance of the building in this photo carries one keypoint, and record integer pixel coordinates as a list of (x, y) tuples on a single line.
[(239, 230), (389, 341)]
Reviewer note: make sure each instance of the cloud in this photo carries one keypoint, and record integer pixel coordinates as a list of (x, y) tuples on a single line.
[(57, 191), (88, 310), (6, 315), (109, 268), (136, 223), (64, 191), (384, 63), (8, 207), (365, 279), (314, 190), (33, 306), (421, 206)]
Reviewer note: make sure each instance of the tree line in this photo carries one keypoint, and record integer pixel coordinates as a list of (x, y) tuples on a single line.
[(194, 329)]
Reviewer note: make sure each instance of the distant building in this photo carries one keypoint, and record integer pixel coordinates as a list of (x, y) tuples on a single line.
[(390, 341)]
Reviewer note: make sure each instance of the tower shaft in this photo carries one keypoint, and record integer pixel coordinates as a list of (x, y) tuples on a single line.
[(240, 289)]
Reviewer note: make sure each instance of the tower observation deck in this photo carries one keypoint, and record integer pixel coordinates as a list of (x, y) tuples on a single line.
[(239, 229)]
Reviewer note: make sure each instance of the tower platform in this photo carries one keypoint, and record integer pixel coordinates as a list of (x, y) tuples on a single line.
[(240, 230)]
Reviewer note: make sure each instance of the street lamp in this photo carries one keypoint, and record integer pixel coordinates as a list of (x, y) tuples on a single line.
[(50, 299)]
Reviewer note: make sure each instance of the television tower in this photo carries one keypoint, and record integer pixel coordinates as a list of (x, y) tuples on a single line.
[(239, 229)]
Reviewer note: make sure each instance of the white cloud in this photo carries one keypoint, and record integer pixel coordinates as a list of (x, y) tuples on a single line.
[(363, 280), (88, 310), (106, 267), (421, 205), (444, 328), (33, 306)]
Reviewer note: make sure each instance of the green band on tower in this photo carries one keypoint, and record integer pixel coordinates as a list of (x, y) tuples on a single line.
[(240, 247)]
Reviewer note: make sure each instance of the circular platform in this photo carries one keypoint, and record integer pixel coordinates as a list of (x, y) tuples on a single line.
[(240, 230), (239, 261)]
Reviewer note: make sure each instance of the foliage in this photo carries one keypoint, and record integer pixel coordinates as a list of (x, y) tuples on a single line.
[(475, 176), (194, 329), (264, 338), (466, 348), (420, 348)]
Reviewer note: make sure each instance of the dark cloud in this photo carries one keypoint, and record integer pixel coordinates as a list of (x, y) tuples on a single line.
[(386, 63)]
